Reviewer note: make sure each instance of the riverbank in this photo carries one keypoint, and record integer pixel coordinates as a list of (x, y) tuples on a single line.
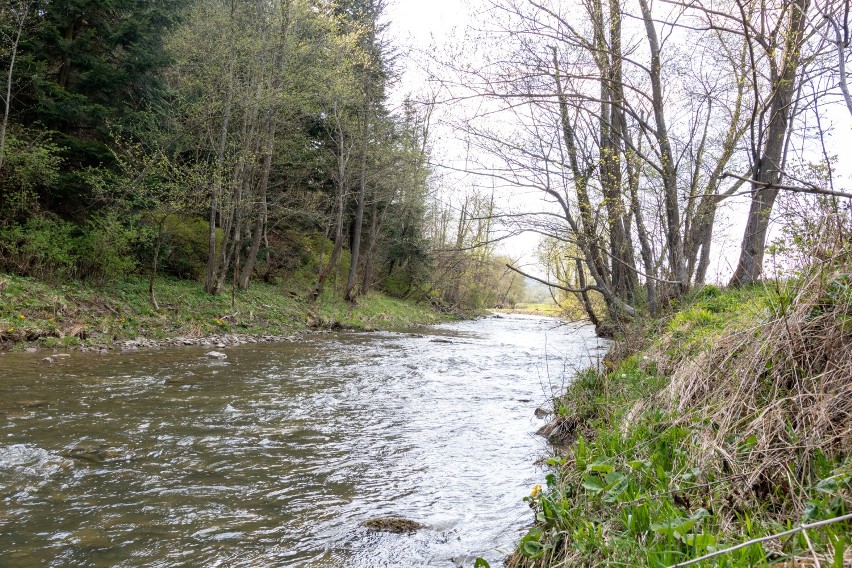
[(725, 422), (36, 314)]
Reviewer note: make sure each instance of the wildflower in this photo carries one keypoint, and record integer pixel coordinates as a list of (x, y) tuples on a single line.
[(11, 329), (22, 316), (536, 491)]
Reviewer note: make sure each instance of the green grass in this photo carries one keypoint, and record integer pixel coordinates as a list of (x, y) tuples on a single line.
[(70, 314)]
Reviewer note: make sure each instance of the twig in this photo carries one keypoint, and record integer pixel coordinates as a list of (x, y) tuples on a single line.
[(847, 517)]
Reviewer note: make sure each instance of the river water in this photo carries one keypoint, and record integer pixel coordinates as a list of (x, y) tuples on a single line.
[(274, 456)]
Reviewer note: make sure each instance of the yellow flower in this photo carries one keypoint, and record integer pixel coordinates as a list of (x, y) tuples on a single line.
[(11, 329), (22, 316), (536, 491)]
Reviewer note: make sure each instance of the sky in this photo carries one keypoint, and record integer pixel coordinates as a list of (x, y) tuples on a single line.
[(424, 29)]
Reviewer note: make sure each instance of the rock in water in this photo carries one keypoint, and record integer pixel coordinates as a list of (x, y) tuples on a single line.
[(90, 539), (392, 525), (216, 355), (48, 360), (31, 403)]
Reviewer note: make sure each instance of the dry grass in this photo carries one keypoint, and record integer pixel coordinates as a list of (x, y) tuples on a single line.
[(782, 389)]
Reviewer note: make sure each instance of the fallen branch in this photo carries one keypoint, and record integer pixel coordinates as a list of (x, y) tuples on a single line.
[(800, 528)]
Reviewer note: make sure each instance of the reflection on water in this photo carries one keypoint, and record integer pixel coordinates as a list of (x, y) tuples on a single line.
[(274, 456)]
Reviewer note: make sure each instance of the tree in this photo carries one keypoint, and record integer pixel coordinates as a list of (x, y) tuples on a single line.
[(602, 136)]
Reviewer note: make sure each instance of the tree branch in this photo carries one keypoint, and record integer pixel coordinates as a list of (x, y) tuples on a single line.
[(793, 188), (553, 285)]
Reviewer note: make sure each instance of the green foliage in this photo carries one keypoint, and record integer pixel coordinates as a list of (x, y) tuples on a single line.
[(184, 248), (43, 246), (31, 165), (103, 249), (49, 248)]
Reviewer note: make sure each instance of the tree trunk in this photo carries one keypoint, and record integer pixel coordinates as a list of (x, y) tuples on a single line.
[(260, 221), (767, 171), (335, 251), (372, 237), (674, 240), (155, 262), (25, 6), (355, 243)]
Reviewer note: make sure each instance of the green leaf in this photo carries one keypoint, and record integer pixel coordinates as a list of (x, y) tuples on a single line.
[(593, 483), (674, 527), (600, 467), (641, 465), (616, 489), (531, 548), (481, 563), (700, 541)]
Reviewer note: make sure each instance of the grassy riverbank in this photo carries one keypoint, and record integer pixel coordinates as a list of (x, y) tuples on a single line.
[(727, 421), (35, 313)]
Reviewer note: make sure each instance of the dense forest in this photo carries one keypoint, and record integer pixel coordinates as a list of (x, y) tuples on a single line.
[(224, 142)]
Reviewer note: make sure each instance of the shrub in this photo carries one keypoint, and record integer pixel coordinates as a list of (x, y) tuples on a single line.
[(43, 247), (103, 249)]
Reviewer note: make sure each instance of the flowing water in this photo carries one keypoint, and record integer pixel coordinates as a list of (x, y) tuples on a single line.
[(274, 456)]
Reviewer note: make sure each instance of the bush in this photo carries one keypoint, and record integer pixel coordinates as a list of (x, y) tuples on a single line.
[(31, 164), (184, 252), (42, 247), (103, 249), (52, 249)]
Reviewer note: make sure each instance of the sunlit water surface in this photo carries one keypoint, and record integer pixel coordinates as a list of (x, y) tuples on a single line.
[(274, 456)]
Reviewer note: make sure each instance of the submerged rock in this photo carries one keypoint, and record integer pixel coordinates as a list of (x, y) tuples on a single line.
[(188, 379), (90, 539), (30, 403), (96, 454), (48, 360), (215, 355), (392, 525)]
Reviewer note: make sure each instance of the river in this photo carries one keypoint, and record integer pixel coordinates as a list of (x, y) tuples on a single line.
[(275, 455)]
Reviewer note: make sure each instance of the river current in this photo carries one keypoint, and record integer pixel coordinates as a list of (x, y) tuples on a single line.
[(275, 455)]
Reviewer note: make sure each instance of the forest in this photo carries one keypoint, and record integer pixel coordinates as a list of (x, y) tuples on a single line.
[(225, 143)]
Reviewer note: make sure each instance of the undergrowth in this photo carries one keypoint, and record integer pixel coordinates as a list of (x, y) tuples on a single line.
[(728, 421)]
